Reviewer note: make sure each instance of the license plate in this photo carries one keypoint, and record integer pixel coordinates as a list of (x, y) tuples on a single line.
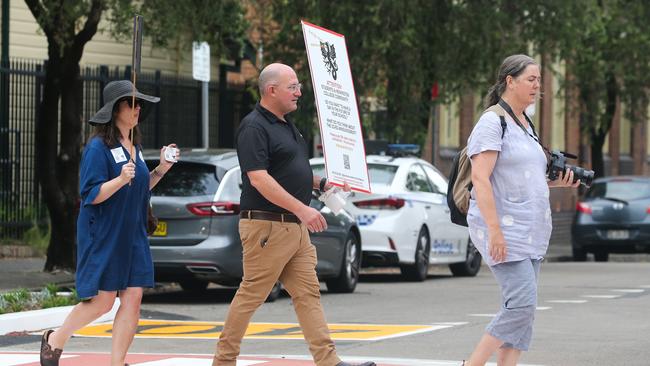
[(161, 229), (618, 234)]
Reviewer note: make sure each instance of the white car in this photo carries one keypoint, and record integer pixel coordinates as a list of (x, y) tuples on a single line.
[(405, 221)]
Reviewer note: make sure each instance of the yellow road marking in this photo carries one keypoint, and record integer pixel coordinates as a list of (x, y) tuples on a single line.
[(212, 330)]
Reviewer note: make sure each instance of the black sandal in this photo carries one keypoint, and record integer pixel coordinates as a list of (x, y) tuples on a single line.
[(49, 356)]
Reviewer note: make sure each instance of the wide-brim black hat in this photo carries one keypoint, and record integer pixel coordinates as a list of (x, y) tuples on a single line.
[(114, 91)]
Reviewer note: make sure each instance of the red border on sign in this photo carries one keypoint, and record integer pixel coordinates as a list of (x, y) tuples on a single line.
[(354, 94)]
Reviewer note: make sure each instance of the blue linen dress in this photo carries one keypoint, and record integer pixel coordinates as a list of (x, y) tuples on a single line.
[(520, 189), (112, 245)]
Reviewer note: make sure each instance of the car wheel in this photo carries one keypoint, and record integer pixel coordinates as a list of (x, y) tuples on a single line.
[(275, 292), (600, 256), (418, 271), (192, 285), (579, 254), (348, 276), (472, 263)]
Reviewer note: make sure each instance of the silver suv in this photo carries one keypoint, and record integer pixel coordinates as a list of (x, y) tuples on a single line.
[(197, 238)]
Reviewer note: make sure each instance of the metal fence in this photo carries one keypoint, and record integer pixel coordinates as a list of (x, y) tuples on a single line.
[(177, 118)]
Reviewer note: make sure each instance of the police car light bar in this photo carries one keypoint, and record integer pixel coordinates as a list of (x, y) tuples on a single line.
[(403, 149)]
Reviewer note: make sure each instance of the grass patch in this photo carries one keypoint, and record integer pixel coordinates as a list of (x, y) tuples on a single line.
[(23, 300)]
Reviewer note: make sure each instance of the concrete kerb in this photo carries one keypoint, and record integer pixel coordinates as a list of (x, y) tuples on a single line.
[(35, 320)]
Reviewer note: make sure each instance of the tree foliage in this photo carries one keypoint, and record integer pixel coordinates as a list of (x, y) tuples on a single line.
[(604, 43), (397, 51), (220, 23)]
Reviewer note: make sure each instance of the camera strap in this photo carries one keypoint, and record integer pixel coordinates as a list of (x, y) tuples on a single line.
[(534, 136)]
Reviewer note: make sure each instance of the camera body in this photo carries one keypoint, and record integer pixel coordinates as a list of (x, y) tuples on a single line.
[(557, 164)]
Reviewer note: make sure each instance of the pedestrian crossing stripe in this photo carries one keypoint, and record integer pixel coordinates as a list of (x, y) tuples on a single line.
[(211, 330)]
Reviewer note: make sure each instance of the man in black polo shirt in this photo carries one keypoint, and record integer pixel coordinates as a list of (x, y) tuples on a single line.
[(276, 220)]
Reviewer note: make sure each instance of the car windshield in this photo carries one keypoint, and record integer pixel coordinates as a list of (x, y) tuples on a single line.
[(626, 190), (187, 179), (380, 174)]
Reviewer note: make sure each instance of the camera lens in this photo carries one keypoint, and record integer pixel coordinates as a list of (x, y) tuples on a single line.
[(585, 176)]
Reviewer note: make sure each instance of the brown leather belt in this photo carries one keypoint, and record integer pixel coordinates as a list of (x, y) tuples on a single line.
[(271, 216)]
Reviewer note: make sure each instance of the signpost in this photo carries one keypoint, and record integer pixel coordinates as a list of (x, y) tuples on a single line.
[(201, 72)]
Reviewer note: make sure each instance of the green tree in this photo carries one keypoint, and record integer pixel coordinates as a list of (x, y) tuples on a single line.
[(609, 62), (397, 50), (604, 43), (68, 26)]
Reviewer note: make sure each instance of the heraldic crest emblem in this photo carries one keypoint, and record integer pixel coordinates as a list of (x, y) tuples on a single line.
[(329, 58)]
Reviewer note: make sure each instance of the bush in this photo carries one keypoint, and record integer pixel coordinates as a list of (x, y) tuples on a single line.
[(23, 300), (38, 238)]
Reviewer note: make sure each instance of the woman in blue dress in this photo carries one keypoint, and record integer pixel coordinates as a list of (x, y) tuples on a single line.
[(113, 256)]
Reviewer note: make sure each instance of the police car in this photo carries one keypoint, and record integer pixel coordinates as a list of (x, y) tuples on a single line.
[(405, 221)]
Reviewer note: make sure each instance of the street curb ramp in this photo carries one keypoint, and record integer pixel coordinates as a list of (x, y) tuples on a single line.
[(35, 320)]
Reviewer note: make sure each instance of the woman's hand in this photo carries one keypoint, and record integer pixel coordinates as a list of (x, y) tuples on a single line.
[(564, 180), (127, 173), (497, 247)]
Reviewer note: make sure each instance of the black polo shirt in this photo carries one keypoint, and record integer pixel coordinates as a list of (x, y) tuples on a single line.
[(265, 142)]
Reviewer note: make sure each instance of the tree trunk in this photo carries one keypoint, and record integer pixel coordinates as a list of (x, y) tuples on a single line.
[(58, 165), (59, 170), (46, 156), (600, 130), (597, 162)]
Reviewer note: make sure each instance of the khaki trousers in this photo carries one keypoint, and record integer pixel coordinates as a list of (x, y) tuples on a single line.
[(277, 251)]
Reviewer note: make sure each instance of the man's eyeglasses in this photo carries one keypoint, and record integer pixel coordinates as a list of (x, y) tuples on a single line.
[(294, 87), (129, 101)]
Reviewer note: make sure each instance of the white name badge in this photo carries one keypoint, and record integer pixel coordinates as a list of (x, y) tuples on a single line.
[(141, 156), (118, 154)]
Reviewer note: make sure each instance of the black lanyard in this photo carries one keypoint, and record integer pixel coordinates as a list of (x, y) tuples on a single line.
[(534, 136)]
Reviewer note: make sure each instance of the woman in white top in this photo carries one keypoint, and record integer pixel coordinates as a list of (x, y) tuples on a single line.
[(509, 216)]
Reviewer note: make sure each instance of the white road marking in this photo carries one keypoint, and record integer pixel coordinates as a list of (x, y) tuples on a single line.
[(493, 315), (567, 301), (393, 361), (629, 290), (17, 359), (602, 296), (9, 359), (185, 361)]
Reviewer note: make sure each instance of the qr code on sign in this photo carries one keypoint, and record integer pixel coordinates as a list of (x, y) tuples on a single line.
[(346, 161)]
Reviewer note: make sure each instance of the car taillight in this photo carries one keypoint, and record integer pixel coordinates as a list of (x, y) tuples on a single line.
[(381, 204), (583, 207), (214, 208)]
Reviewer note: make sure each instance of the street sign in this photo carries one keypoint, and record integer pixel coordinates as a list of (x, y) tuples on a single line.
[(201, 61)]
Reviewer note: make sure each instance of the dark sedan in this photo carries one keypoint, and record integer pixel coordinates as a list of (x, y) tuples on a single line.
[(613, 217), (197, 239)]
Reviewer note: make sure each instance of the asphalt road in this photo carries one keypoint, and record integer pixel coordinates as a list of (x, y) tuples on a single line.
[(589, 314)]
